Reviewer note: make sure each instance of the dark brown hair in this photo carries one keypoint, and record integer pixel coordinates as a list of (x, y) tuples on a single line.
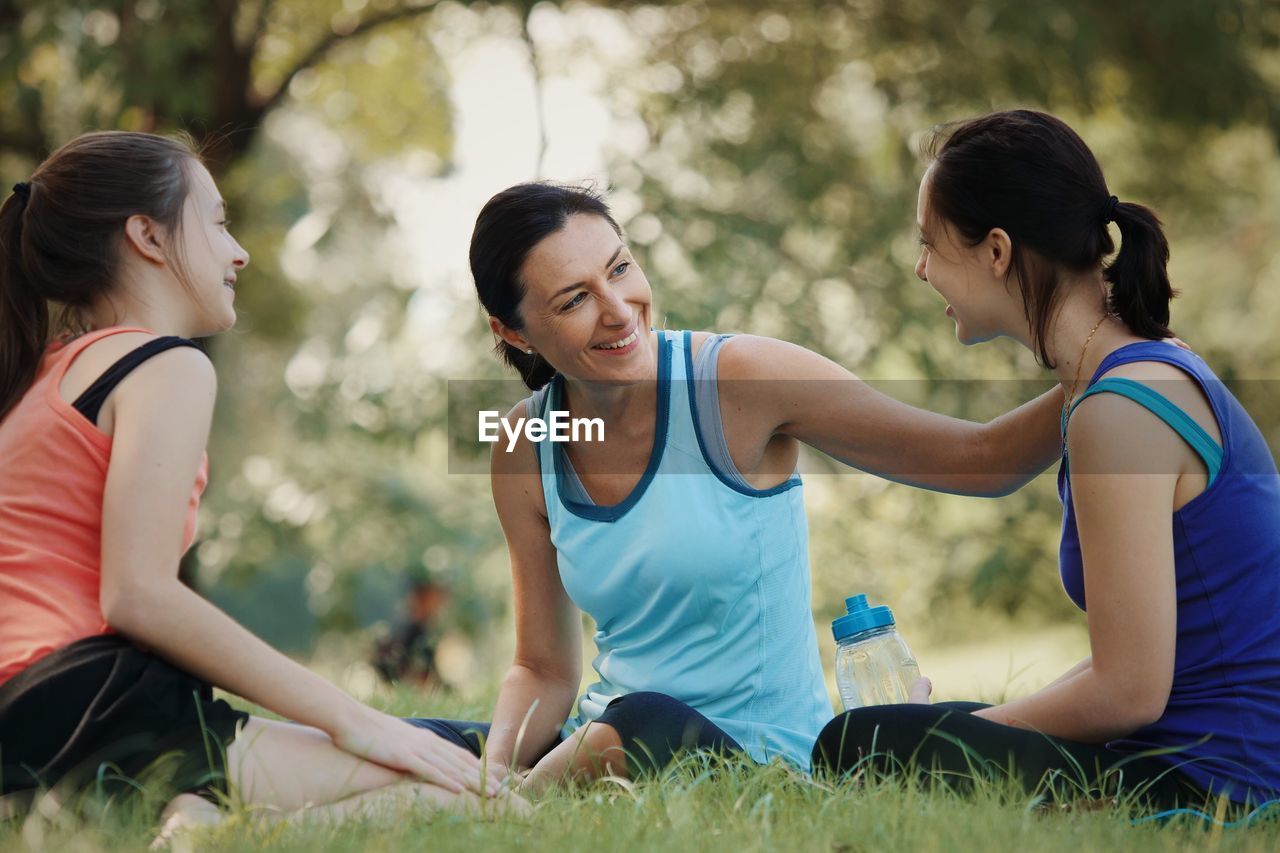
[(60, 237), (1031, 175), (508, 227)]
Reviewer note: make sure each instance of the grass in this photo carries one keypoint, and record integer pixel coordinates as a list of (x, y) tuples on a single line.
[(694, 808), (740, 807), (699, 805)]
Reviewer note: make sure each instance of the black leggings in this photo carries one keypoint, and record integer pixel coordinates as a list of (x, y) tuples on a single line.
[(946, 743), (653, 728)]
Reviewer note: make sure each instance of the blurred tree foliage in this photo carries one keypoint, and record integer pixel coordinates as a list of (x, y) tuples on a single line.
[(775, 194), (778, 197)]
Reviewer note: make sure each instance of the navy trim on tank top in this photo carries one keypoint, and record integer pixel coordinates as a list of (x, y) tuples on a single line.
[(790, 483), (596, 512), (89, 403)]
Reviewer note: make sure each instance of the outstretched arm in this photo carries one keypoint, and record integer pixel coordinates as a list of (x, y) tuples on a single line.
[(162, 416), (789, 390)]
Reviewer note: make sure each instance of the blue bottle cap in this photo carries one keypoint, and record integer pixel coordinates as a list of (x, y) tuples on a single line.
[(860, 618)]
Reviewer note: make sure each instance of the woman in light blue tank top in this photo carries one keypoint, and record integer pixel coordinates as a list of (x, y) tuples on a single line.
[(682, 533), (1171, 524)]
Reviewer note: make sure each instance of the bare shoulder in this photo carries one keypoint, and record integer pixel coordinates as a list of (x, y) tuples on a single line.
[(1158, 371), (96, 358), (176, 387), (758, 357), (1169, 381), (521, 457), (182, 372), (176, 384), (696, 340), (1113, 433), (514, 472)]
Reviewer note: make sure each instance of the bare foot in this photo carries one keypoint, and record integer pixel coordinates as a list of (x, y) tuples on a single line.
[(184, 813)]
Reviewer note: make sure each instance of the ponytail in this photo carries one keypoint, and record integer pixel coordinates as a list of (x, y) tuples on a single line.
[(1140, 289), (1031, 175), (534, 370), (24, 314), (60, 237)]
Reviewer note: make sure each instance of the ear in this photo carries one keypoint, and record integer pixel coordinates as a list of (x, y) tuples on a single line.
[(507, 334), (999, 252), (143, 235)]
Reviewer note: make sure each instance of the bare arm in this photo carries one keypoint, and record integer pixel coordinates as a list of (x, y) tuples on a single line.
[(792, 391), (162, 415), (1073, 672), (547, 668), (1125, 526)]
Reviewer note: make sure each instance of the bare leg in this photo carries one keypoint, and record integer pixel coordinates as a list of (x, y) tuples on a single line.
[(285, 767), (592, 752), (285, 771), (397, 801), (187, 812)]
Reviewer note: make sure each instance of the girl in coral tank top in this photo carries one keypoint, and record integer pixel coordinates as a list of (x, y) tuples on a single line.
[(105, 657)]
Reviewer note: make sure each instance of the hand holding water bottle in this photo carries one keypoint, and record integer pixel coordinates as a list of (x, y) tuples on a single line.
[(874, 665)]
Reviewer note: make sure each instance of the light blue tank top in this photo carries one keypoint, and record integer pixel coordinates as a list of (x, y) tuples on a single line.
[(698, 584)]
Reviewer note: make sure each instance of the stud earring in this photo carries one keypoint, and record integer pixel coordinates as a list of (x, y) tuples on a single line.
[(529, 351)]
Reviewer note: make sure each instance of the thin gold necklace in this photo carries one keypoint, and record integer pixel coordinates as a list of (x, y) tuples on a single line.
[(1075, 383)]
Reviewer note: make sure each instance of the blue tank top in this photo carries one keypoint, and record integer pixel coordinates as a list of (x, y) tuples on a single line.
[(699, 586), (1223, 715)]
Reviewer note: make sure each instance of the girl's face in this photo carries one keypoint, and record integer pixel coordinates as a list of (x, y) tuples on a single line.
[(586, 305), (211, 257), (971, 278)]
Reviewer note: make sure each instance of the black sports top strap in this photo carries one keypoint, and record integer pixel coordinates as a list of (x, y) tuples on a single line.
[(90, 402)]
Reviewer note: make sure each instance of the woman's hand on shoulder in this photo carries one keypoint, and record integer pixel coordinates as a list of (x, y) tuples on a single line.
[(801, 394)]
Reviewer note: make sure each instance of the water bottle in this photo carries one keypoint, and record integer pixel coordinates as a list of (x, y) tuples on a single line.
[(873, 664)]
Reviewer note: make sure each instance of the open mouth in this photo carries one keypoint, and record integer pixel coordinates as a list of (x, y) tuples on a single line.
[(624, 343)]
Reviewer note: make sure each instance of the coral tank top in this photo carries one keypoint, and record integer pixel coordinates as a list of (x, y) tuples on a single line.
[(53, 470)]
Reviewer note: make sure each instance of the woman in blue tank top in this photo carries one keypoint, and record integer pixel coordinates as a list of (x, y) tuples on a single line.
[(1171, 501), (682, 533)]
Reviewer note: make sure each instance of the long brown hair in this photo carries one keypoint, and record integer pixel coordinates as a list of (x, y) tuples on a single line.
[(60, 237), (1033, 176)]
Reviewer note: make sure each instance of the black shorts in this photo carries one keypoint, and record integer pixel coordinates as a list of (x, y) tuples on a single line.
[(103, 713)]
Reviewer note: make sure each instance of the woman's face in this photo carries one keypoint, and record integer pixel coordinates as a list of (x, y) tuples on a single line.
[(586, 305), (210, 255), (968, 277)]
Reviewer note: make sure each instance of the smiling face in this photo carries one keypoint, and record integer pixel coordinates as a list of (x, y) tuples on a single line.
[(970, 278), (586, 305), (210, 257)]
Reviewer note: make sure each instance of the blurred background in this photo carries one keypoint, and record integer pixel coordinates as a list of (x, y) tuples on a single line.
[(763, 160)]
